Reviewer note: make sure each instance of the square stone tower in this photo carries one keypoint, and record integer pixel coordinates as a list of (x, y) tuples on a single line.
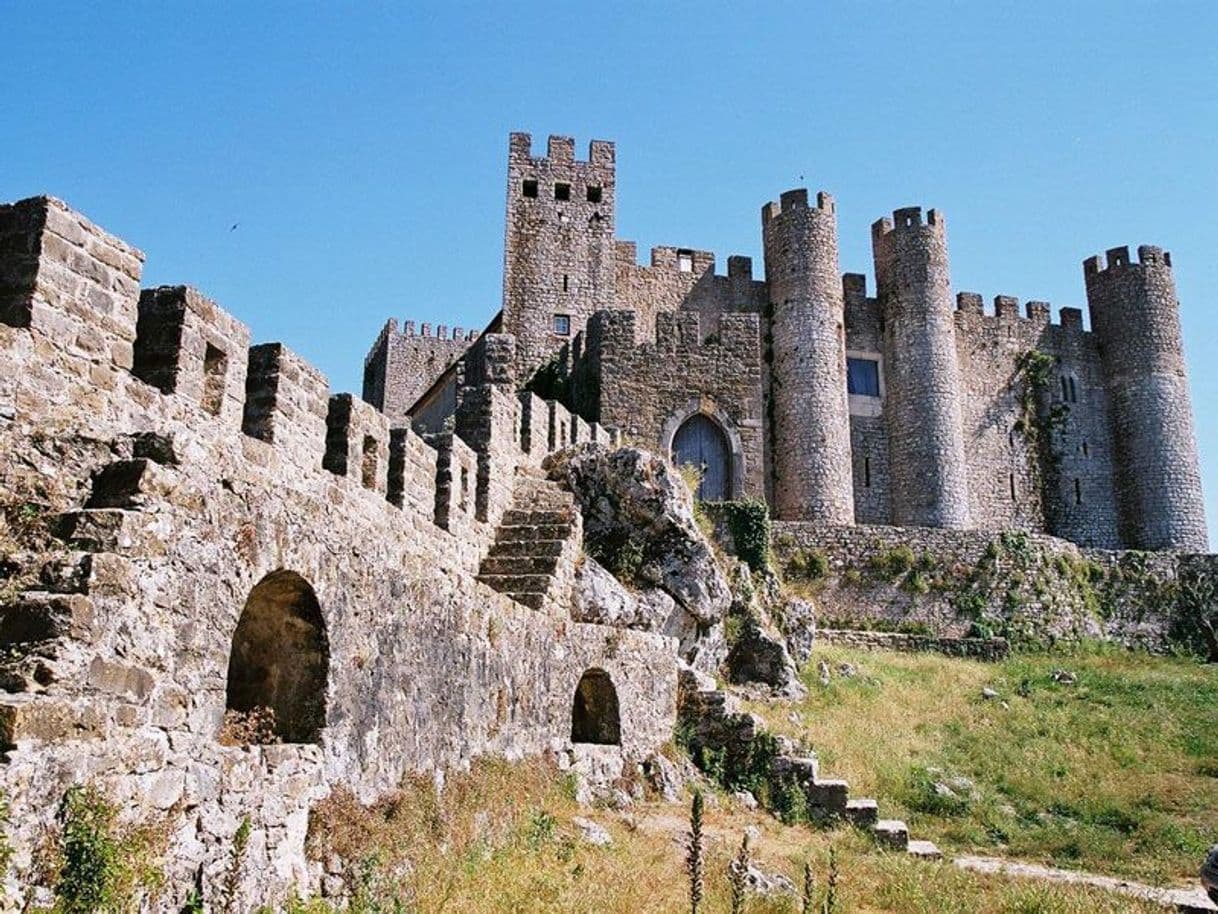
[(558, 247)]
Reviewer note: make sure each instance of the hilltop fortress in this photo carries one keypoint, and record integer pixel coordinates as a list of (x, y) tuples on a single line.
[(227, 592), (910, 407)]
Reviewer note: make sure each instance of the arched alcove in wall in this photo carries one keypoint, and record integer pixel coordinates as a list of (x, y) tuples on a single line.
[(280, 657), (595, 717)]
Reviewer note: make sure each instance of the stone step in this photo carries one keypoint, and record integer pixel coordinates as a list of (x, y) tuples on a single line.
[(517, 533), (534, 517), (528, 548), (863, 812), (130, 484), (531, 600), (891, 833), (926, 850), (37, 616), (99, 529), (829, 795), (517, 583), (518, 564), (46, 719)]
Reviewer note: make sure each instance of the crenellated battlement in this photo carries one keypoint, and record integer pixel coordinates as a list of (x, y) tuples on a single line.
[(559, 150), (909, 219), (1005, 309), (1115, 259), (441, 334), (797, 200), (691, 261), (192, 359)]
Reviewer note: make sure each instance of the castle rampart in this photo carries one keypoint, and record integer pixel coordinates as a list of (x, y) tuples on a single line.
[(183, 519)]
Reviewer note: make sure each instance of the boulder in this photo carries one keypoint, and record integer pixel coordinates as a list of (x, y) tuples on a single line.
[(663, 777), (757, 656), (639, 525), (591, 832)]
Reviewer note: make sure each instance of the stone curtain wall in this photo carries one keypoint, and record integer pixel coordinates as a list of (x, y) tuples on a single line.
[(662, 286), (401, 366), (989, 649), (1030, 588), (170, 514), (646, 390)]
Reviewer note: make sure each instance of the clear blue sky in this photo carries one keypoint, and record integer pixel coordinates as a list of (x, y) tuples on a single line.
[(363, 149)]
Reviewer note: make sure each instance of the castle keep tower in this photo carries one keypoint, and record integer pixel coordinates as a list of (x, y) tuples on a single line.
[(810, 420), (558, 247), (1134, 314), (926, 439)]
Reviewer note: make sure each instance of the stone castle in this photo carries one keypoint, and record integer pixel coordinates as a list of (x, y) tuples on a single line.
[(227, 592), (908, 407)]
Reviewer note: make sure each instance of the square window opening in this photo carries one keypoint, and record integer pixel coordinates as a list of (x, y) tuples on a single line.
[(685, 261), (529, 187), (562, 324), (594, 193), (863, 377), (562, 191)]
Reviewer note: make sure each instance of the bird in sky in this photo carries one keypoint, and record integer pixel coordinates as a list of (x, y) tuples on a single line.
[(234, 228)]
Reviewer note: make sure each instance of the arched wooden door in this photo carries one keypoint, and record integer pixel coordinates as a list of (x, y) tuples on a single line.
[(701, 442)]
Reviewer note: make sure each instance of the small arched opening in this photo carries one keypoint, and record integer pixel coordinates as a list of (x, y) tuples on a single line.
[(700, 442), (594, 716), (279, 661)]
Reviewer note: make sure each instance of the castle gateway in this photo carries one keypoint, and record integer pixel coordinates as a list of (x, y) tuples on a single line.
[(909, 407)]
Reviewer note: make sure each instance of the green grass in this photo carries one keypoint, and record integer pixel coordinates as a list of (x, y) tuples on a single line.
[(1115, 774)]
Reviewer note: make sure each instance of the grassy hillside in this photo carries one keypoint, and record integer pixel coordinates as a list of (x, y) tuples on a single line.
[(1116, 773), (502, 840)]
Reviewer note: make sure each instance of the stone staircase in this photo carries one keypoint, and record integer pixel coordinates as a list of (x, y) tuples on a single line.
[(52, 603), (536, 545), (711, 715)]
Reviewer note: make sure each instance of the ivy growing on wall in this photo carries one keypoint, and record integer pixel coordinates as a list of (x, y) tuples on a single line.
[(1040, 420), (748, 521)]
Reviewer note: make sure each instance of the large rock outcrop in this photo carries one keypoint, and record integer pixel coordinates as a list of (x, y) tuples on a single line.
[(639, 526)]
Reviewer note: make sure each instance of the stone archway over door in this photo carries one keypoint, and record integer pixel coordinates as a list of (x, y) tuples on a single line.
[(701, 442)]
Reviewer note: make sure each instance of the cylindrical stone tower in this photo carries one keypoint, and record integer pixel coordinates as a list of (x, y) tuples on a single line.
[(929, 475), (1135, 317), (810, 420)]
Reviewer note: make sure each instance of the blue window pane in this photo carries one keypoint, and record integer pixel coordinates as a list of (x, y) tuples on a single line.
[(863, 377)]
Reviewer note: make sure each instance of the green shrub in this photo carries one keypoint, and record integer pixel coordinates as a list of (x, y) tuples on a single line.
[(748, 521), (808, 565), (893, 563)]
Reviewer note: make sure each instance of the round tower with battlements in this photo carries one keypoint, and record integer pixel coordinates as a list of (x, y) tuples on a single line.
[(929, 475), (810, 418), (1135, 316)]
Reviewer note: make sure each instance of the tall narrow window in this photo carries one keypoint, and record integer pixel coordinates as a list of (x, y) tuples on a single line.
[(1011, 480), (1073, 393), (1065, 389), (566, 283), (867, 472), (1078, 492), (1086, 450)]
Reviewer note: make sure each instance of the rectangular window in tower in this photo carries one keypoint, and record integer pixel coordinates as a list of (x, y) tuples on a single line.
[(1086, 450), (1011, 480), (562, 324), (1073, 392), (594, 193), (566, 283), (867, 472), (562, 191), (685, 261), (863, 377), (529, 187), (1065, 390), (1078, 492)]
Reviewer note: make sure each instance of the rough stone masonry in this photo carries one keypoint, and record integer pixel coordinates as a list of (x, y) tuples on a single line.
[(911, 407)]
